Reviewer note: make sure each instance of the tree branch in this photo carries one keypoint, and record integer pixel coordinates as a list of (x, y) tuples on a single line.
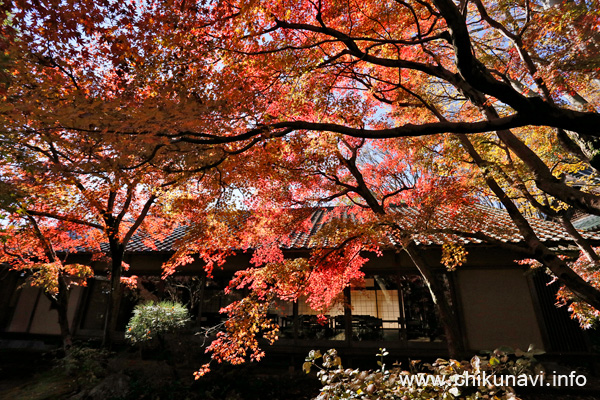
[(64, 218), (139, 220)]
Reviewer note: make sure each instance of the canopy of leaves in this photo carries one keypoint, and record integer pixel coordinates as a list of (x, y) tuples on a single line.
[(114, 112)]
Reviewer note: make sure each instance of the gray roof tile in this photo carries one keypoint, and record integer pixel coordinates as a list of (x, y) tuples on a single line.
[(493, 222)]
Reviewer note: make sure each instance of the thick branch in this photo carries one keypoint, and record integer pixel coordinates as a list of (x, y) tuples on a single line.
[(480, 78), (356, 51), (139, 220), (583, 244), (46, 244), (64, 218)]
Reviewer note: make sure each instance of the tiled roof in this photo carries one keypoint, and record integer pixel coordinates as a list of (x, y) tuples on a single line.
[(492, 222), (585, 177), (587, 223), (163, 244)]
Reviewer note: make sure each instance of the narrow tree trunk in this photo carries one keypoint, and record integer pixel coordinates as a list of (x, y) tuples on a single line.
[(61, 303), (115, 303), (295, 320), (583, 244), (65, 331), (447, 317), (115, 294)]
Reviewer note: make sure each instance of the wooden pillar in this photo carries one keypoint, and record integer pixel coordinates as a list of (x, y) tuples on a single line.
[(348, 315), (402, 309), (295, 319), (201, 297)]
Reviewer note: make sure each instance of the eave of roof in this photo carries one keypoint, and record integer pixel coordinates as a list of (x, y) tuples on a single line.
[(588, 223), (498, 226)]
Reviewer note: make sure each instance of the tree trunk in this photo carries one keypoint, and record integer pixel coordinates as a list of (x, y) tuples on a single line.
[(201, 297), (447, 317), (115, 294), (65, 330), (61, 303)]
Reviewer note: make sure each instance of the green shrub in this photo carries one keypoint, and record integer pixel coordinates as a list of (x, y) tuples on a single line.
[(152, 320), (87, 365), (438, 380)]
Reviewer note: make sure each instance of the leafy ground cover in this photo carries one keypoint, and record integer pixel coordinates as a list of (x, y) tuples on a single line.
[(89, 373)]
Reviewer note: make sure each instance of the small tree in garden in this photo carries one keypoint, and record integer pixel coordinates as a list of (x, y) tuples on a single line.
[(153, 320), (41, 254), (65, 154)]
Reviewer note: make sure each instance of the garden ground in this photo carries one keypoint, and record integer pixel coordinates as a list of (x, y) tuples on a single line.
[(90, 373)]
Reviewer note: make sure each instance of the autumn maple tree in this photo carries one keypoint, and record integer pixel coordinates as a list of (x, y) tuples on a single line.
[(70, 195), (72, 179), (387, 196), (501, 96), (392, 69), (371, 186), (40, 252)]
